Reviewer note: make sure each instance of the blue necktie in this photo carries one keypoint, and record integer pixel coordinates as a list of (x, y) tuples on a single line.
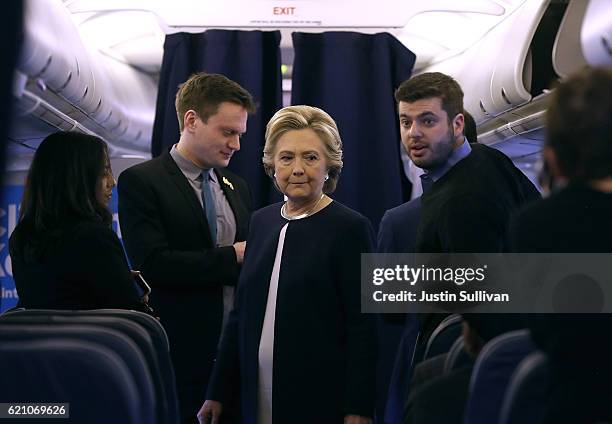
[(209, 206), (426, 182)]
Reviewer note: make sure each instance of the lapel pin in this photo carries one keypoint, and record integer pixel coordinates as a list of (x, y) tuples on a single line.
[(227, 182)]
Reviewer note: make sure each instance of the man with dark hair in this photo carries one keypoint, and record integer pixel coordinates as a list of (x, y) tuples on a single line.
[(575, 219), (470, 191), (184, 220), (398, 233)]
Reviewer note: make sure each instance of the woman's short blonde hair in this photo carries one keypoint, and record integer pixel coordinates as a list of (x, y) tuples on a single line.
[(302, 117)]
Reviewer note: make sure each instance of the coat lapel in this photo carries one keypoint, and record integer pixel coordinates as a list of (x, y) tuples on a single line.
[(187, 193), (233, 198)]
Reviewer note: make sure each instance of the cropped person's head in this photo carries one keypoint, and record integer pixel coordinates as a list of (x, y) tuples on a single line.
[(69, 180), (579, 126), (212, 111), (303, 151), (430, 108), (469, 127)]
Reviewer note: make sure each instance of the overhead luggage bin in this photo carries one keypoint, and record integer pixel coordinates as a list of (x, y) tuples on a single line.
[(567, 51), (596, 33), (500, 77), (67, 82)]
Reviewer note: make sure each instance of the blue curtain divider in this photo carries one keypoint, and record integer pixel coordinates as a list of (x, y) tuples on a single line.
[(352, 76)]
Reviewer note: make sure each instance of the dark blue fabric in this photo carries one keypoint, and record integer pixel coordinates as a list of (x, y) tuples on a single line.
[(398, 228), (496, 363), (397, 234), (252, 59), (352, 77), (402, 371)]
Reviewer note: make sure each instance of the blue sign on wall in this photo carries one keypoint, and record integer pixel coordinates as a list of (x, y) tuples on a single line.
[(9, 215)]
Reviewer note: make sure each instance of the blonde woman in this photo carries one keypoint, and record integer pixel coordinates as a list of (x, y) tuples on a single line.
[(297, 347)]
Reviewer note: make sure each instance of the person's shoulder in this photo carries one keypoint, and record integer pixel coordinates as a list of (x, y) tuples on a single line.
[(88, 230), (346, 216), (145, 174), (146, 167), (482, 151), (265, 222), (492, 167), (484, 163), (403, 211), (537, 213), (533, 226), (267, 213)]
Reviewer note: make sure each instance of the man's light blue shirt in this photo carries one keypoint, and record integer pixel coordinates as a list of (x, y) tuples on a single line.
[(457, 155)]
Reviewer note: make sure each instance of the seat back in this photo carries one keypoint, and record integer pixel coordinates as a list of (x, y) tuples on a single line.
[(141, 328), (457, 356), (525, 398), (492, 371), (95, 370), (443, 337)]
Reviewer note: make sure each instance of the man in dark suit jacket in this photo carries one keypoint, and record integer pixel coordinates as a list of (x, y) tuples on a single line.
[(184, 220)]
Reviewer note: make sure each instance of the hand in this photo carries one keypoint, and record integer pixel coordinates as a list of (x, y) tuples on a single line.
[(357, 419), (239, 248), (209, 412)]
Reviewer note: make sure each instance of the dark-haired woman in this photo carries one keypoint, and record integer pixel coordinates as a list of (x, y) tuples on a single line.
[(63, 251)]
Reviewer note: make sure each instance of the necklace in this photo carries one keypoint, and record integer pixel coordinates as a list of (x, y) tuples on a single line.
[(283, 211)]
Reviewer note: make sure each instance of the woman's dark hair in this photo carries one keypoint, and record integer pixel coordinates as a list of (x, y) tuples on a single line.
[(60, 190)]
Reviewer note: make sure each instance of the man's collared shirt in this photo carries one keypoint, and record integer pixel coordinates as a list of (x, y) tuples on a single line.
[(457, 155)]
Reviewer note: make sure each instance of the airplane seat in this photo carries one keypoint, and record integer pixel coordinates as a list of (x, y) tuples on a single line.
[(88, 367), (526, 395), (141, 328), (493, 369), (150, 324), (10, 310), (91, 378), (443, 337), (457, 356)]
